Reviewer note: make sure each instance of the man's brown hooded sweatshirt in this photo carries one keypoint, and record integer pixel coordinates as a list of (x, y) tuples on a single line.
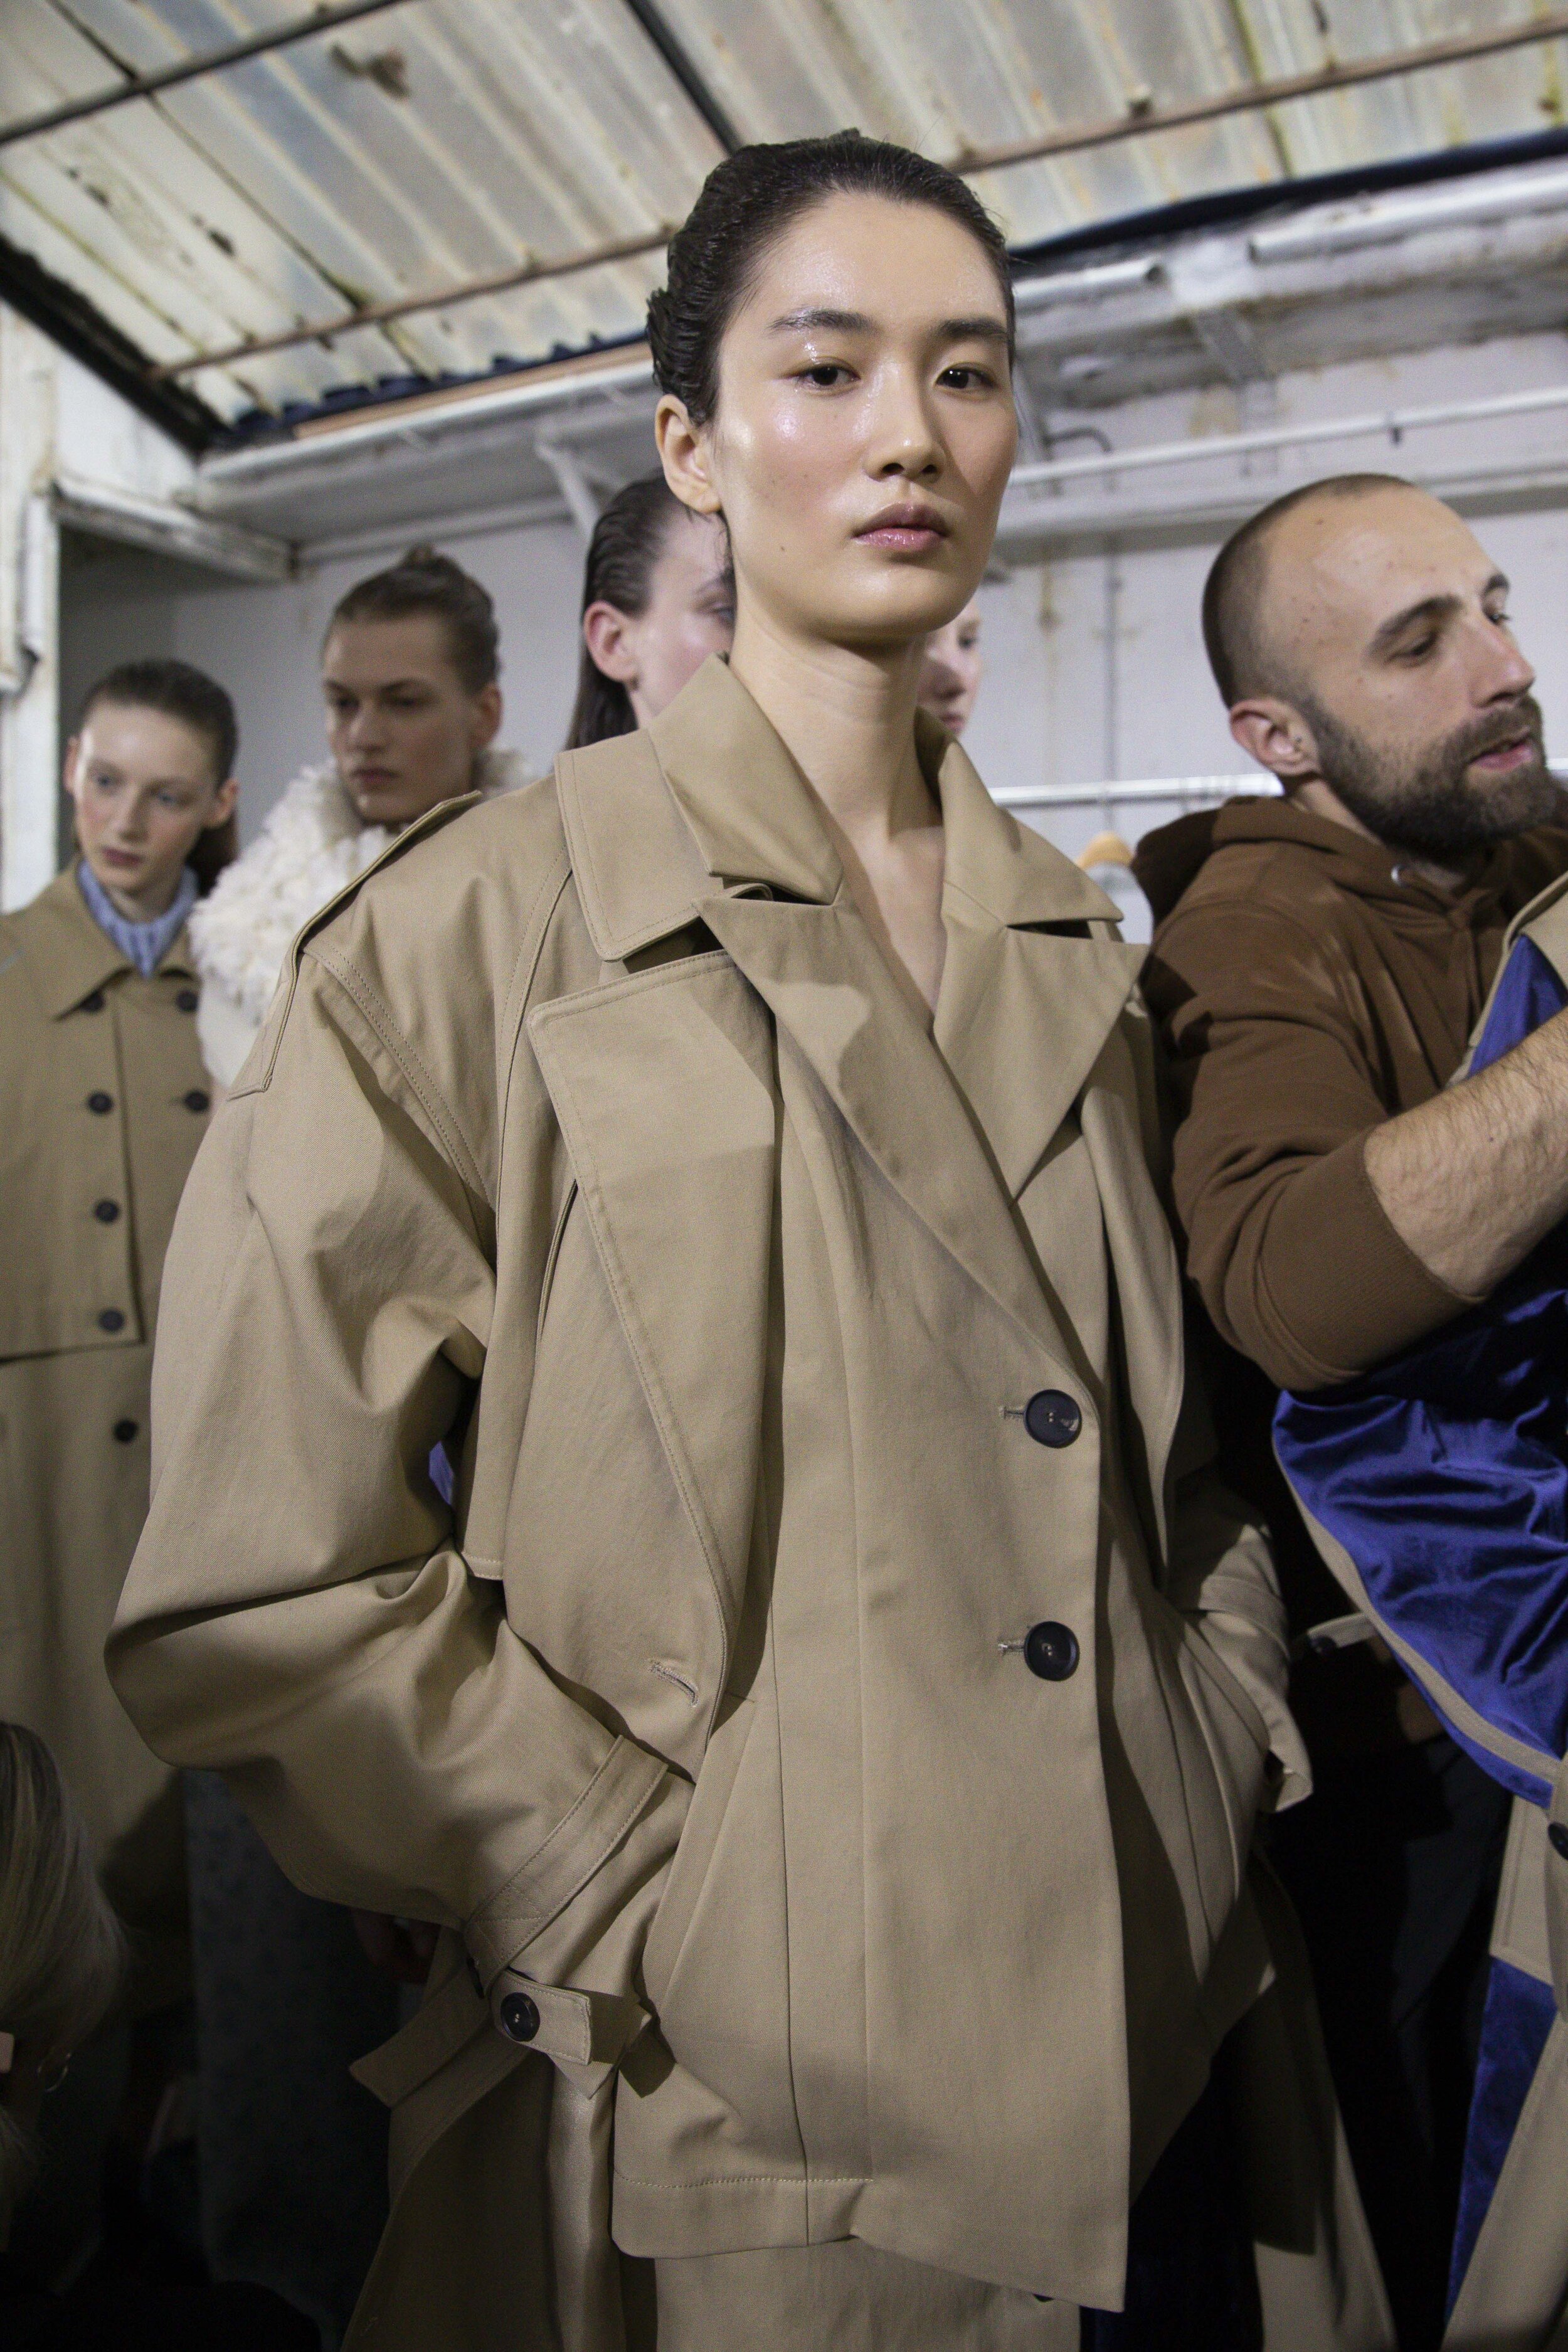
[(1310, 985)]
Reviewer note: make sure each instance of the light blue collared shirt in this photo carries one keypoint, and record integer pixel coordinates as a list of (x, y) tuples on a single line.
[(145, 944)]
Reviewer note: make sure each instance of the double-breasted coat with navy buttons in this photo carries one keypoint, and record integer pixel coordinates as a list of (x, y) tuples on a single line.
[(103, 1101), (831, 1717)]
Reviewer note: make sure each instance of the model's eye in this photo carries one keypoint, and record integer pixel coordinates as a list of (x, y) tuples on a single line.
[(826, 375), (967, 377)]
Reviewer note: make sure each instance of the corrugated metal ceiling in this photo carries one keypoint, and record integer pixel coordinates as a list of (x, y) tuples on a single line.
[(447, 140)]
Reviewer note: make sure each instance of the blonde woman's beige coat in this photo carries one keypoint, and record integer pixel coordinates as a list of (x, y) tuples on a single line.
[(786, 1902), (103, 1100)]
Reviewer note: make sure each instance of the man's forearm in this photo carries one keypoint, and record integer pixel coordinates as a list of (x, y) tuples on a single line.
[(1474, 1178)]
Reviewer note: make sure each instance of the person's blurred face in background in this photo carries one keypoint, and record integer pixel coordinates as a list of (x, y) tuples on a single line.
[(954, 667), (403, 729), (144, 791), (690, 614)]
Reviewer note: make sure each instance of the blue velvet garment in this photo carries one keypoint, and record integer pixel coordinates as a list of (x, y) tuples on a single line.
[(1519, 2014), (1445, 1474)]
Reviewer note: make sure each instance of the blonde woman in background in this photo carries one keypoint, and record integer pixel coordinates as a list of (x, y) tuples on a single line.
[(410, 670)]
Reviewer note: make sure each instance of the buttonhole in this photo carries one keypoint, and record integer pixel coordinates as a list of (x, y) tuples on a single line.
[(669, 1673), (1005, 1646)]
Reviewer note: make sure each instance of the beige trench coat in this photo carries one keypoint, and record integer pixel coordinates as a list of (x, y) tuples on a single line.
[(1514, 2295), (103, 1100), (786, 1905)]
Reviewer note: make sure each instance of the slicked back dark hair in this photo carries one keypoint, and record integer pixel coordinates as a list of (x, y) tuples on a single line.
[(622, 554), (751, 198), (1238, 654), (200, 703), (424, 581)]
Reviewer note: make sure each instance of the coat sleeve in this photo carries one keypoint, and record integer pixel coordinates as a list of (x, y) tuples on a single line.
[(1288, 1243), (1220, 1573), (299, 1615)]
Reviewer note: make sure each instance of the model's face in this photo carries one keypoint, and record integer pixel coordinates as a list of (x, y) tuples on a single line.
[(145, 791), (952, 671), (864, 429), (1408, 679), (403, 729), (690, 614)]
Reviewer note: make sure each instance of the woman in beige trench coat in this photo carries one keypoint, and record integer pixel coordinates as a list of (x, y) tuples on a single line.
[(103, 1100), (830, 1722)]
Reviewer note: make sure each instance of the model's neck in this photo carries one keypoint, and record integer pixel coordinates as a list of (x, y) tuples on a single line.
[(847, 718), (142, 906)]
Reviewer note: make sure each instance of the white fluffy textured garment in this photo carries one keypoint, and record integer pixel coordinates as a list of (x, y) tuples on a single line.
[(311, 844)]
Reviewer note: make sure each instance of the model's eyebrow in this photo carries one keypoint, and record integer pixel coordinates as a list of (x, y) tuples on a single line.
[(984, 328), (838, 322)]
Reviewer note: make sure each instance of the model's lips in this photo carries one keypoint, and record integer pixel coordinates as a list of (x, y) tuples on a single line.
[(1518, 751), (126, 857), (906, 529), (372, 776)]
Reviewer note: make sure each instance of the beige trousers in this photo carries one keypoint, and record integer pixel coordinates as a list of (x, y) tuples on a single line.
[(841, 2297)]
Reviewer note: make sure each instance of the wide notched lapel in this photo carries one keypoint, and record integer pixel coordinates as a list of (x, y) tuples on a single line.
[(829, 987), (665, 1089), (1033, 983), (665, 1082)]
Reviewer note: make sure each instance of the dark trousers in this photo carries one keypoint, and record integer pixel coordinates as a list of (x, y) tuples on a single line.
[(1393, 1864)]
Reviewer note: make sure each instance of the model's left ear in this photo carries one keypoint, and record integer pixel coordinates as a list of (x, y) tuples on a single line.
[(222, 808), (488, 708), (683, 449)]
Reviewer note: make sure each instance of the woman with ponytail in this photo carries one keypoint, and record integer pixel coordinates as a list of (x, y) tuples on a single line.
[(658, 598)]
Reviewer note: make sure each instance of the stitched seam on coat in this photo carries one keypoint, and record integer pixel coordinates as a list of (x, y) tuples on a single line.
[(541, 1914), (749, 2181), (379, 1014), (547, 898)]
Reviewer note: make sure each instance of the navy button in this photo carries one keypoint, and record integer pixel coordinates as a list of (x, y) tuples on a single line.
[(519, 2017), (100, 1102), (1052, 1417), (93, 1003), (196, 1101), (1558, 1833), (124, 1431), (111, 1319), (1050, 1651), (106, 1212), (187, 1000)]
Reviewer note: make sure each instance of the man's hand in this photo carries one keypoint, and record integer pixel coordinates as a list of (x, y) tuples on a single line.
[(1475, 1178)]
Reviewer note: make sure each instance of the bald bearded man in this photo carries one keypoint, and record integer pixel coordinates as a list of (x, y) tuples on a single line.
[(1319, 963)]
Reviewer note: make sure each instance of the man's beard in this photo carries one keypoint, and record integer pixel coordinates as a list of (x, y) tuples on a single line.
[(1432, 808)]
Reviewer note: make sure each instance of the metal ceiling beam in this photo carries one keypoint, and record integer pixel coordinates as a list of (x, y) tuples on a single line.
[(378, 314), (671, 48), (210, 61), (1249, 97)]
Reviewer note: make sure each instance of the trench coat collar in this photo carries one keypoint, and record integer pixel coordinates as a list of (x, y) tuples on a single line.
[(67, 956), (709, 799), (708, 805), (705, 818)]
